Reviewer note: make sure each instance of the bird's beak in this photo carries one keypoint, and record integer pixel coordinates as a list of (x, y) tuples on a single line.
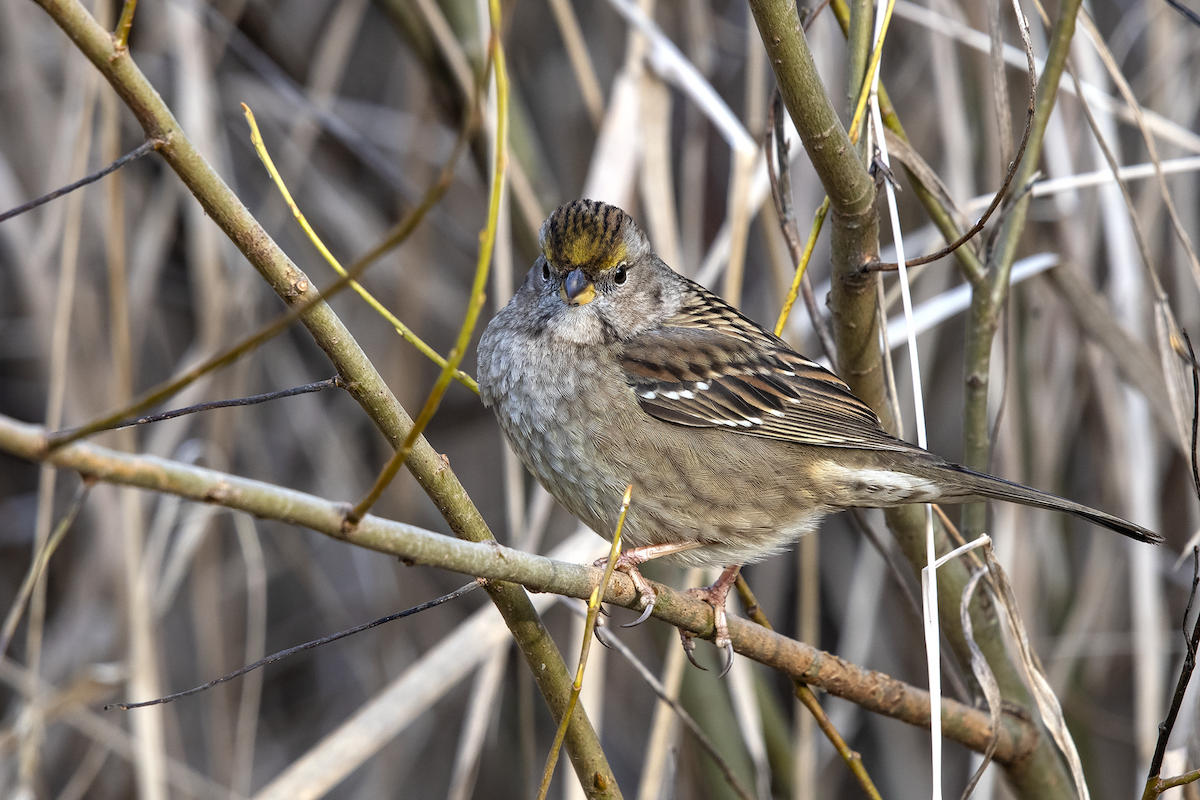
[(577, 290)]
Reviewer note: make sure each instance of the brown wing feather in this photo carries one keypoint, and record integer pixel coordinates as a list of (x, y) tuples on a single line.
[(736, 375)]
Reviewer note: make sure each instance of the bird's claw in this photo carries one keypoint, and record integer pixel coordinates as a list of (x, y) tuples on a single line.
[(628, 562), (728, 651), (689, 648), (716, 596), (649, 601), (598, 632)]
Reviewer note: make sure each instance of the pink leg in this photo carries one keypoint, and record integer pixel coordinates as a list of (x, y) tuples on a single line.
[(629, 561), (715, 596)]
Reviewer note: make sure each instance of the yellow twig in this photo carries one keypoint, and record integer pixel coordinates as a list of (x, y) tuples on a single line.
[(425, 350), (487, 242), (809, 246), (121, 35), (805, 695), (869, 79), (593, 612)]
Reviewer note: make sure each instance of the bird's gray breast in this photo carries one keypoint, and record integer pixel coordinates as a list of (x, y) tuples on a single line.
[(552, 405)]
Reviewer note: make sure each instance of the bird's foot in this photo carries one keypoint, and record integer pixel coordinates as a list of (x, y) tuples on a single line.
[(628, 562), (688, 640), (715, 596)]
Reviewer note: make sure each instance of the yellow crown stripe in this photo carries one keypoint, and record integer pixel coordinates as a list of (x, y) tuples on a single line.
[(585, 234)]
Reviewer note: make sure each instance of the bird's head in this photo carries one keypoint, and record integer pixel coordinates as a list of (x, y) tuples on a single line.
[(597, 270)]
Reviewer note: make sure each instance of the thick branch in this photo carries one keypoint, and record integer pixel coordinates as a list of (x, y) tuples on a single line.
[(854, 223), (871, 690), (855, 243), (851, 190)]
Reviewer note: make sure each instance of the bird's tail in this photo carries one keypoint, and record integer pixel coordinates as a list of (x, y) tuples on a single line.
[(978, 485)]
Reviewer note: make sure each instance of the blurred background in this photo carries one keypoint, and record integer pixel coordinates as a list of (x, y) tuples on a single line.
[(113, 289)]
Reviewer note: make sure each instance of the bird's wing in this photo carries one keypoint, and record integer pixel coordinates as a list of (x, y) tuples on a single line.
[(720, 370)]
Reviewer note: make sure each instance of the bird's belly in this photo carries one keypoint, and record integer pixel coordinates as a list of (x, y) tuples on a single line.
[(738, 504)]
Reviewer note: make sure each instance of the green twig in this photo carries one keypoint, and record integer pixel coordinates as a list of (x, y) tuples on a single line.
[(988, 296), (121, 36)]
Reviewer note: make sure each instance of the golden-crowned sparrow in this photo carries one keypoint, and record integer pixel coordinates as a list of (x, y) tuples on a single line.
[(607, 368)]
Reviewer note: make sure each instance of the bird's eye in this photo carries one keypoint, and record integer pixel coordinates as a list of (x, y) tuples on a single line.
[(620, 274), (545, 272)]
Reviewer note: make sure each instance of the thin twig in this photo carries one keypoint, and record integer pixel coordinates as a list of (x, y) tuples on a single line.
[(1185, 676), (1188, 14), (779, 175), (121, 35), (614, 643), (1000, 194), (133, 155), (1195, 412), (809, 17), (399, 233), (335, 382), (40, 562), (487, 241), (781, 195), (291, 651), (405, 332), (1139, 119), (852, 758), (1192, 641), (363, 149), (590, 625)]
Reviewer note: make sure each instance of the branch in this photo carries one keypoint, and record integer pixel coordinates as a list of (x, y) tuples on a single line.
[(851, 190), (855, 243), (873, 691), (990, 294)]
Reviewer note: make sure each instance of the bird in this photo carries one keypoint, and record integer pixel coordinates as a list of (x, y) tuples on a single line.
[(608, 369)]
